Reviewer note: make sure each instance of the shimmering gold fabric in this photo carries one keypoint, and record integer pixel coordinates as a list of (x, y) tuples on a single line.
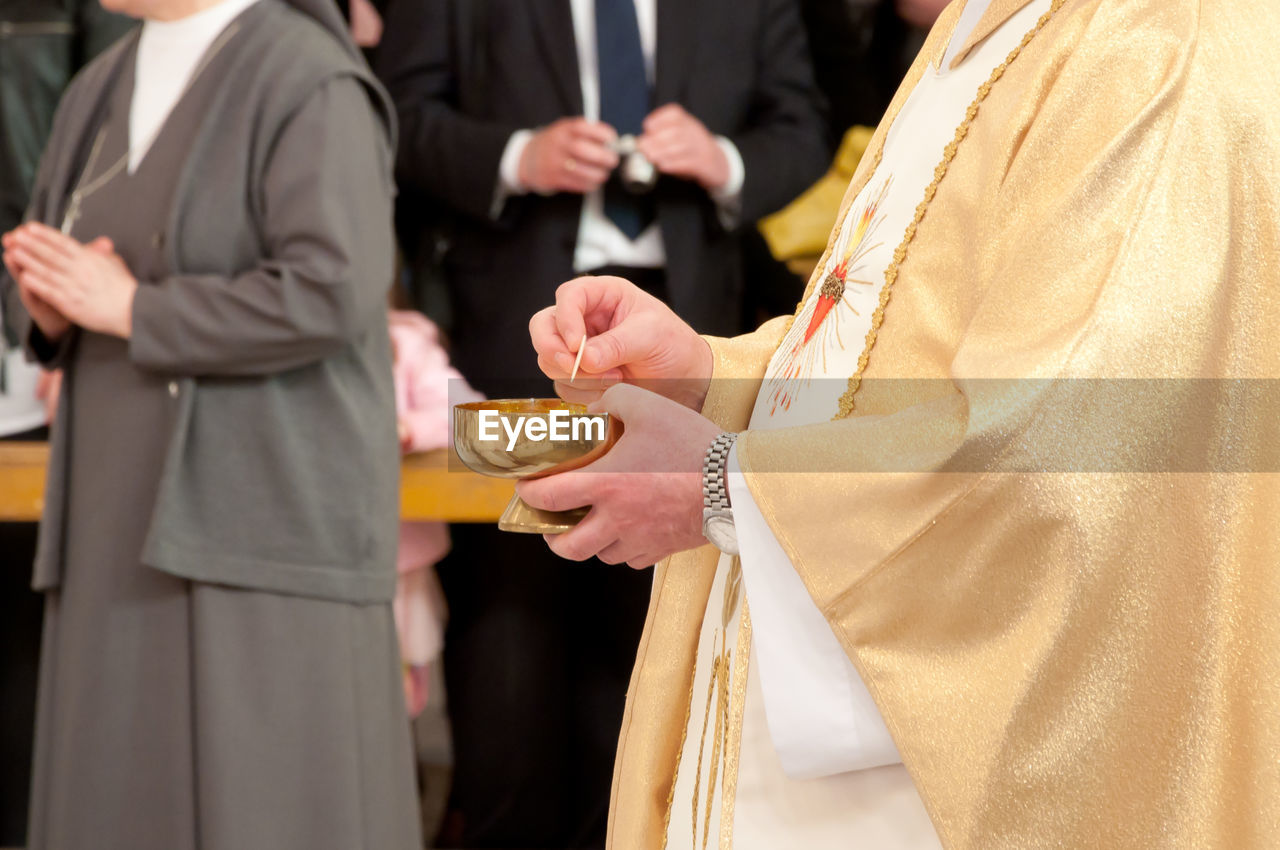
[(997, 13), (1068, 659)]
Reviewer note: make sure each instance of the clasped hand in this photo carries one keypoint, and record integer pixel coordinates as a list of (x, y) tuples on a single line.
[(646, 493), (577, 155), (63, 282)]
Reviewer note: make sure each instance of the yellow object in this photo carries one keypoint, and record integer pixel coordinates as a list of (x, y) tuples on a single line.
[(1067, 656), (799, 230), (431, 487)]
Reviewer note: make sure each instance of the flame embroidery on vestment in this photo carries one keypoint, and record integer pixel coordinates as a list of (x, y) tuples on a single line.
[(806, 343)]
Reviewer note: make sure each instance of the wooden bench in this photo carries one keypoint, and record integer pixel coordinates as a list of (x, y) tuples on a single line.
[(429, 488)]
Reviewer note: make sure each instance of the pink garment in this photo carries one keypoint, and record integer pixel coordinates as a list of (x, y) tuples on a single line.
[(426, 388)]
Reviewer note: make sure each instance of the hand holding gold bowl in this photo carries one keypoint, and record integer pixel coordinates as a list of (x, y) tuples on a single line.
[(531, 438)]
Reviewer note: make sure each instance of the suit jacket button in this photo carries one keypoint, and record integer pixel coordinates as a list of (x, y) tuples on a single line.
[(173, 389)]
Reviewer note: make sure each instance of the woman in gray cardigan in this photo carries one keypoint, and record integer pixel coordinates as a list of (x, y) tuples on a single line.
[(207, 256)]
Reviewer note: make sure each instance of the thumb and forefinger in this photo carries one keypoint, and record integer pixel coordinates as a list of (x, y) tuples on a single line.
[(595, 302)]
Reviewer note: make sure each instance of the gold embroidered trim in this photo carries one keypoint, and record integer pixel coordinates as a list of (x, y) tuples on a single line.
[(684, 738), (733, 728), (702, 745), (900, 255), (719, 683), (717, 738)]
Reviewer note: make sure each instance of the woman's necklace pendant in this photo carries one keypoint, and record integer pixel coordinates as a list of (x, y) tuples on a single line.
[(73, 213)]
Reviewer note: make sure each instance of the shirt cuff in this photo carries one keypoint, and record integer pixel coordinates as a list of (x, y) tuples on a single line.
[(821, 717), (509, 171), (728, 198)]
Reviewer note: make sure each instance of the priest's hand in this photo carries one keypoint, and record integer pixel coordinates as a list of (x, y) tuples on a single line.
[(52, 324), (645, 493), (87, 284), (632, 337)]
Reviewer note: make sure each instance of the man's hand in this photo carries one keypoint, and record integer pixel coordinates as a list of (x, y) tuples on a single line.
[(646, 493), (679, 145), (87, 285), (631, 337), (570, 155)]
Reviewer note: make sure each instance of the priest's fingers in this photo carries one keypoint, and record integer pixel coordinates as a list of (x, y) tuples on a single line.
[(631, 554), (634, 405), (548, 342), (587, 538), (617, 553), (581, 391), (591, 305), (616, 348), (549, 368), (573, 300), (561, 492)]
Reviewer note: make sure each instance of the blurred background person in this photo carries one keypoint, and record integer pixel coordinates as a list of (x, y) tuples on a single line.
[(426, 387), (42, 44), (513, 114), (861, 51), (219, 666)]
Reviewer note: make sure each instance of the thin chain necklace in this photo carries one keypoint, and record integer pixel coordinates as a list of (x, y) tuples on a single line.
[(83, 189)]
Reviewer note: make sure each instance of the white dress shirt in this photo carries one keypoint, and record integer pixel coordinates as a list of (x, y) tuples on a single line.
[(600, 242)]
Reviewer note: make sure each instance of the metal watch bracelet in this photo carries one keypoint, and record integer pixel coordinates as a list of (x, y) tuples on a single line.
[(717, 513)]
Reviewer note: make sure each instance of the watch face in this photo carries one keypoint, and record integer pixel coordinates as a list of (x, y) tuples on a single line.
[(722, 534)]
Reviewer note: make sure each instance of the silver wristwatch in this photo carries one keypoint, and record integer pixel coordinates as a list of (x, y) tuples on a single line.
[(717, 515)]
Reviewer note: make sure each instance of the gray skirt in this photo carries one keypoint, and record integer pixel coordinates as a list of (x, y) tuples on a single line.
[(181, 716)]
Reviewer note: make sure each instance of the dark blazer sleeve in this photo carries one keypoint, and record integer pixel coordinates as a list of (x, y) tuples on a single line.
[(325, 201), (444, 153), (783, 144)]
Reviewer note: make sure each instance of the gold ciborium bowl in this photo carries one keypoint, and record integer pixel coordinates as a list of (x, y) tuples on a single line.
[(531, 438)]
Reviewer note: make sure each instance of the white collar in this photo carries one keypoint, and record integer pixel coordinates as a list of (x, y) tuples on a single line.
[(205, 24), (970, 17)]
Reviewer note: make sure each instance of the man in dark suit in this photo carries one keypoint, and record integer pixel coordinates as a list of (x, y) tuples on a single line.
[(518, 118)]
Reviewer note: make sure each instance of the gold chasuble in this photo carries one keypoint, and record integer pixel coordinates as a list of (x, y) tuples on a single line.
[(1044, 521)]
